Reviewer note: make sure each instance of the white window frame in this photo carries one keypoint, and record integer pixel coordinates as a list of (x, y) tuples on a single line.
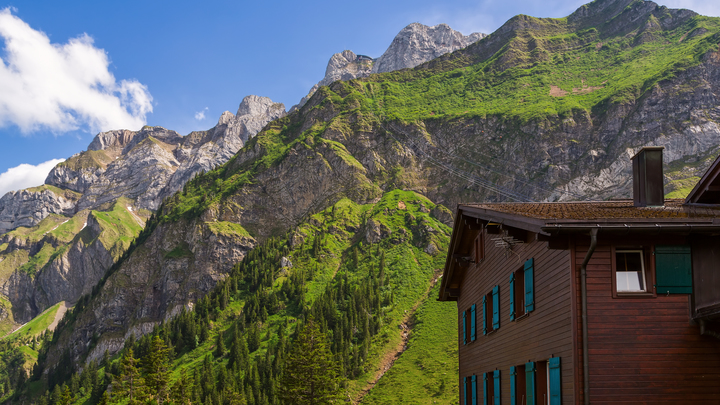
[(642, 267)]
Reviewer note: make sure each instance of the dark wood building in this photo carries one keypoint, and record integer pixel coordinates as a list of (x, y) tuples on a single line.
[(590, 302)]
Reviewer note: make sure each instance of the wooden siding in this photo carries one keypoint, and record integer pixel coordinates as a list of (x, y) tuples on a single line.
[(642, 350), (545, 332)]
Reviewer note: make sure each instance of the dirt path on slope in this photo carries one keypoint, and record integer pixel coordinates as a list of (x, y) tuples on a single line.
[(391, 356), (58, 316)]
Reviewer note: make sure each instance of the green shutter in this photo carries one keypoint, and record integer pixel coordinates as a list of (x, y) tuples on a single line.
[(513, 382), (530, 383), (496, 391), (512, 296), (486, 401), (465, 390), (484, 316), (496, 307), (554, 379), (464, 327), (472, 323), (473, 388), (529, 285), (673, 269)]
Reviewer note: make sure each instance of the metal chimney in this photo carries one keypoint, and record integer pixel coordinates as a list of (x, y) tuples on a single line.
[(648, 177)]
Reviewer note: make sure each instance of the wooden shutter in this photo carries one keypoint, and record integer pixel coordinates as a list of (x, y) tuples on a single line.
[(530, 383), (554, 379), (529, 285), (465, 390), (464, 327), (496, 391), (512, 296), (673, 270), (474, 390), (496, 307), (484, 305), (486, 401), (513, 381), (472, 323)]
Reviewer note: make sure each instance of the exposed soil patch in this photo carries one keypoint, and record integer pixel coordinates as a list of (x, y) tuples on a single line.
[(556, 91), (391, 356)]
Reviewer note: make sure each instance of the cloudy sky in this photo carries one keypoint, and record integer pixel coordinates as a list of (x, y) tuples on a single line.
[(70, 69)]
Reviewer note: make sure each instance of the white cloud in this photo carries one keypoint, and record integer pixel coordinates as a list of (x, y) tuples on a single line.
[(26, 175), (200, 115), (63, 87)]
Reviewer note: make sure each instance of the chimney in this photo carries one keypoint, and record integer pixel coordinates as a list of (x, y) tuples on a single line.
[(648, 177)]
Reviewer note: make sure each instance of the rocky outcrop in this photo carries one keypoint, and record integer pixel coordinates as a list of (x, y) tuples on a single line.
[(418, 43), (30, 206), (342, 66)]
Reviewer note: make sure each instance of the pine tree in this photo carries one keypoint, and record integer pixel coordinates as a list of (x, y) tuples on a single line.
[(220, 345), (311, 374), (157, 370), (129, 384)]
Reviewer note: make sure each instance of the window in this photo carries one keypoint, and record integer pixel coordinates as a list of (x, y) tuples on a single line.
[(469, 325), (522, 290), (536, 383), (479, 247), (630, 271), (491, 310), (491, 388)]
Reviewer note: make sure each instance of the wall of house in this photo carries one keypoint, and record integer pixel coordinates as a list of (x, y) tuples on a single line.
[(545, 333), (642, 350)]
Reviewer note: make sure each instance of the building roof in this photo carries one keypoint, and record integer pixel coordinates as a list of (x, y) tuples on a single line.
[(605, 211)]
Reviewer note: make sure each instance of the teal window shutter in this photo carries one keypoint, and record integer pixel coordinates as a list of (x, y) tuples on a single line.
[(496, 307), (473, 388), (465, 390), (484, 325), (486, 401), (554, 379), (464, 327), (513, 381), (496, 391), (673, 269), (530, 383), (529, 285), (472, 323), (512, 296)]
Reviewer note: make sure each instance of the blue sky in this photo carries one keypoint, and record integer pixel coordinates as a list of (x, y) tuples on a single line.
[(72, 68)]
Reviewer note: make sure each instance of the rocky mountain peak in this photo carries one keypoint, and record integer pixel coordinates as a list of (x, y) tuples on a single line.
[(418, 43), (225, 117), (116, 139), (256, 105), (413, 45)]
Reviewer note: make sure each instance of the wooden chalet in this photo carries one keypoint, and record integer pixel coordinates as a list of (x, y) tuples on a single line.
[(590, 302)]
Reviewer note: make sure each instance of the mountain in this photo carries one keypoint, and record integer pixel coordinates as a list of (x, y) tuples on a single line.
[(413, 45), (296, 221), (64, 235)]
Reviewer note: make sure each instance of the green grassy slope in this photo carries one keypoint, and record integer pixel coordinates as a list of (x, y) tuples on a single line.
[(38, 325), (426, 372)]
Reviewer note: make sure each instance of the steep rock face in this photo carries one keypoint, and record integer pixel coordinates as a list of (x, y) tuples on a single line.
[(418, 43), (30, 206), (153, 285)]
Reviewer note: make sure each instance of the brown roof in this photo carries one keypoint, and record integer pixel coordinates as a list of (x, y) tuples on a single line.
[(600, 210)]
